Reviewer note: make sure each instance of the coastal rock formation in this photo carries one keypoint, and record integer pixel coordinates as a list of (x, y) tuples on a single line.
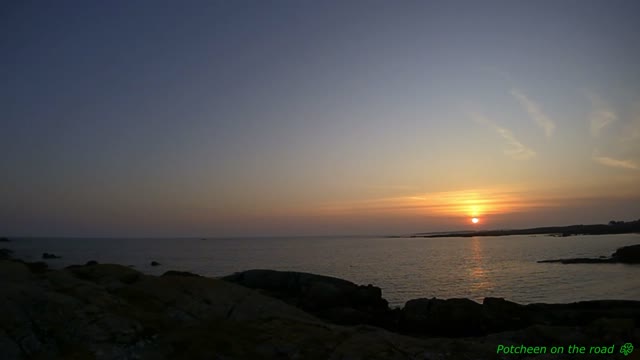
[(106, 311), (624, 255), (627, 254), (451, 317), (339, 302), (48, 256), (336, 300), (5, 254)]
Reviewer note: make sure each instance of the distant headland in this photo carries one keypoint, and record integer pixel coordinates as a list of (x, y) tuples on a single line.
[(613, 227)]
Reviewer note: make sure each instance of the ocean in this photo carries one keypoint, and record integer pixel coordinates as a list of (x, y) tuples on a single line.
[(405, 268)]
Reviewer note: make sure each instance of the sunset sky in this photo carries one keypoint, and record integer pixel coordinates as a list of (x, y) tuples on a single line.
[(236, 118)]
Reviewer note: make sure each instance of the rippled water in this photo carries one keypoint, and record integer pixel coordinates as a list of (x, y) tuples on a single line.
[(405, 268)]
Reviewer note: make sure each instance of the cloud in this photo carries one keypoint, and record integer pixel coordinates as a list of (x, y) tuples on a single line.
[(617, 163), (535, 112), (516, 150), (601, 116)]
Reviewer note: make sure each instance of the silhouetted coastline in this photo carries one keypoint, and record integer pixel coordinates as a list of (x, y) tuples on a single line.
[(614, 227)]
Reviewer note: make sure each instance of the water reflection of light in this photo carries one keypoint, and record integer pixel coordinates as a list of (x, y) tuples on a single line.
[(477, 270)]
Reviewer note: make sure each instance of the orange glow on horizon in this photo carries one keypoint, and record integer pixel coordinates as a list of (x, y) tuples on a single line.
[(461, 204)]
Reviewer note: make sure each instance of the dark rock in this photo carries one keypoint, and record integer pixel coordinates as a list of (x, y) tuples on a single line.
[(5, 254), (323, 296), (155, 263), (91, 263), (180, 273), (624, 255), (37, 267), (578, 261), (105, 273), (504, 315), (50, 256), (627, 254), (101, 312), (4, 239), (436, 317)]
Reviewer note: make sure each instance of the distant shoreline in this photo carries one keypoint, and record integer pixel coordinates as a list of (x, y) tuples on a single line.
[(614, 227)]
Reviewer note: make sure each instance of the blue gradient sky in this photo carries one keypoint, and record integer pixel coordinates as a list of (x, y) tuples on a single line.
[(216, 118)]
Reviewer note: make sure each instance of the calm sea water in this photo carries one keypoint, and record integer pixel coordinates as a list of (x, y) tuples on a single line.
[(405, 268)]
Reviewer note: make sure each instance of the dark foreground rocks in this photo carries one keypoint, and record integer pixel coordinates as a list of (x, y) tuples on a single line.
[(105, 311), (336, 300), (624, 255), (342, 302)]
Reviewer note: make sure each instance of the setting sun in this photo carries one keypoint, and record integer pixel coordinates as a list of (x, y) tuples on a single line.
[(475, 220)]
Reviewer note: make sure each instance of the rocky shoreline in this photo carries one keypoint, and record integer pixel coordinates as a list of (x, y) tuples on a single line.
[(107, 311), (624, 255)]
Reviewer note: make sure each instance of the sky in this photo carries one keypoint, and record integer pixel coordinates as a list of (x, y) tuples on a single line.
[(271, 118)]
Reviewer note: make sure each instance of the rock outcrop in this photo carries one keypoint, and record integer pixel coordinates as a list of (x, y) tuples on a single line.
[(339, 302), (627, 255), (106, 311), (336, 300), (624, 255)]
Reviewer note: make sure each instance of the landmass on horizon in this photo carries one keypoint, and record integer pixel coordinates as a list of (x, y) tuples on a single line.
[(614, 227)]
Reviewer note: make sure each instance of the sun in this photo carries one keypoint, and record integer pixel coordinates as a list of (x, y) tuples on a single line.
[(475, 220)]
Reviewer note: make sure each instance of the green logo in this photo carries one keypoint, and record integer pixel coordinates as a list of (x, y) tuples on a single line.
[(626, 349)]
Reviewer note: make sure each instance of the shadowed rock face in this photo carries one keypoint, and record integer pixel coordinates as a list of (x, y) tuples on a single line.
[(337, 300), (105, 311), (624, 255), (452, 317), (627, 254)]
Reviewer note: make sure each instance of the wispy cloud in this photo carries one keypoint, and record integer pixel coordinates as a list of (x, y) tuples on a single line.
[(601, 116), (617, 163), (535, 112), (516, 150)]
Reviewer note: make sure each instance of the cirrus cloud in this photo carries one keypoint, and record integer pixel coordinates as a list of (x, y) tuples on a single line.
[(535, 112), (515, 149)]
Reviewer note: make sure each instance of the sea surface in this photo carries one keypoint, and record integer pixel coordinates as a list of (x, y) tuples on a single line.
[(405, 268)]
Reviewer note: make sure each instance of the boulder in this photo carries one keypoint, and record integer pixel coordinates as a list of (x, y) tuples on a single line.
[(155, 263), (627, 254), (180, 273), (504, 315), (48, 256), (105, 273), (436, 317), (5, 254), (323, 296), (37, 267)]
